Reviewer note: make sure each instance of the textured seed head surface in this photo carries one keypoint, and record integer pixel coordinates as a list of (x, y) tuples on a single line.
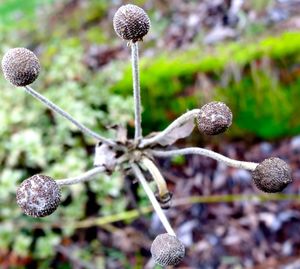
[(214, 118), (38, 196), (20, 66), (272, 175), (131, 23), (167, 250)]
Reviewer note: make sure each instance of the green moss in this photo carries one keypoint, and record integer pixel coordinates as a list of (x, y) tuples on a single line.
[(95, 35), (167, 79), (263, 107)]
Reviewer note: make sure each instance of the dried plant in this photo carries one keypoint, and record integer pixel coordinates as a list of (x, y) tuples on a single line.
[(39, 195)]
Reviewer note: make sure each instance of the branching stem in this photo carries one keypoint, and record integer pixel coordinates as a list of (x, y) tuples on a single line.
[(158, 178), (153, 200), (67, 116), (208, 153), (88, 175), (136, 91), (176, 123)]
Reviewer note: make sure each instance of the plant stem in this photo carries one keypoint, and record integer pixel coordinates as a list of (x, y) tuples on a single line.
[(136, 91), (67, 116), (86, 176), (133, 214), (208, 153), (158, 178), (153, 200), (176, 123), (190, 200)]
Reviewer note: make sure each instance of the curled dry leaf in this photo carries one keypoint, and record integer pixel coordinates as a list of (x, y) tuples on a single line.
[(105, 156), (182, 131), (121, 134)]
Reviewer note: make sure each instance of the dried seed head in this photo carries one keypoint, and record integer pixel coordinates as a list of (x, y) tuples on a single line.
[(131, 23), (214, 118), (38, 196), (20, 66), (167, 250), (272, 175)]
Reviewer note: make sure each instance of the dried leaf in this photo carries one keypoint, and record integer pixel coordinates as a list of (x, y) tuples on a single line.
[(105, 156), (179, 132), (121, 134)]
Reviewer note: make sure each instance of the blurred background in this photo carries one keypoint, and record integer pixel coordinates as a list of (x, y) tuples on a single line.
[(245, 53)]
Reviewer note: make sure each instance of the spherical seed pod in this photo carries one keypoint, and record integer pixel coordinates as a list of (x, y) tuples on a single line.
[(214, 118), (272, 175), (20, 66), (38, 196), (167, 250), (131, 23)]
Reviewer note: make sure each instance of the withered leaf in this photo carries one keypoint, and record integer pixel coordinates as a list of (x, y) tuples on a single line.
[(105, 156), (182, 131)]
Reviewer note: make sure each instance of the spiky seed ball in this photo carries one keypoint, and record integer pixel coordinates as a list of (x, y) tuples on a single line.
[(272, 175), (131, 23), (38, 196), (20, 66), (167, 250), (214, 118)]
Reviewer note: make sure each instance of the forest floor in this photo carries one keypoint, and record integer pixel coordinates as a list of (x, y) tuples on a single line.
[(223, 220)]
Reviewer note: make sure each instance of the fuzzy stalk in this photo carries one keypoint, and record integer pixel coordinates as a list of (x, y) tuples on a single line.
[(67, 116), (208, 153), (136, 91), (152, 199), (86, 176)]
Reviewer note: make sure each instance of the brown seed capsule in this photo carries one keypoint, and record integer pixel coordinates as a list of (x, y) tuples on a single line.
[(131, 23), (38, 196), (214, 118), (272, 175), (20, 66), (167, 250)]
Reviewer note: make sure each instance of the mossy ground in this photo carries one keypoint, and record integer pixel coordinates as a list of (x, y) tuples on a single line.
[(259, 81)]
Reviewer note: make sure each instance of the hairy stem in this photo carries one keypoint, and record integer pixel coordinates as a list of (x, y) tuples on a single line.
[(86, 176), (136, 91), (208, 153), (158, 178), (153, 200), (67, 116), (179, 121)]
